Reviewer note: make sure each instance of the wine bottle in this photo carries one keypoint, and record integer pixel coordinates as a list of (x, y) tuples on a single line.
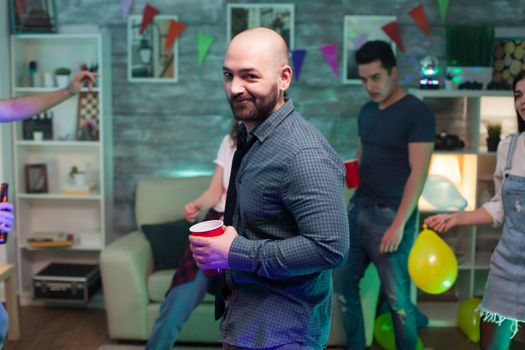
[(3, 198)]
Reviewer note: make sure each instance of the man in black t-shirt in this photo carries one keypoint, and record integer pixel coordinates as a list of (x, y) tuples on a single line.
[(396, 139)]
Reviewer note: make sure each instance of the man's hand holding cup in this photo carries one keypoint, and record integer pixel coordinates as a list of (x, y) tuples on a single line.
[(210, 242)]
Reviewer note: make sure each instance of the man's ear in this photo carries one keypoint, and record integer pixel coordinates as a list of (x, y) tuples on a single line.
[(285, 77), (393, 72)]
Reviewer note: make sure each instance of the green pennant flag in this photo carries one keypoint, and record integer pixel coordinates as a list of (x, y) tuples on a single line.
[(443, 8), (205, 42)]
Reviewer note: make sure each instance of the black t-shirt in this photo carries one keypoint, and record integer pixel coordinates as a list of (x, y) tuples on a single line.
[(385, 134)]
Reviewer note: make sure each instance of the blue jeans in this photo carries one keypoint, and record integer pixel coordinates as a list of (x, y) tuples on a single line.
[(4, 325), (367, 226), (175, 310)]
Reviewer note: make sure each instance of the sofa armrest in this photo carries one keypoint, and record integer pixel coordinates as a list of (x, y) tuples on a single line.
[(125, 265)]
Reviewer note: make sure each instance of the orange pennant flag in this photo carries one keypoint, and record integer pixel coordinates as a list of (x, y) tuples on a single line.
[(418, 14), (392, 31), (175, 29), (147, 17)]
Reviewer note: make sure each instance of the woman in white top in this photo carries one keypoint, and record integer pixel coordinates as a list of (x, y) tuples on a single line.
[(503, 306)]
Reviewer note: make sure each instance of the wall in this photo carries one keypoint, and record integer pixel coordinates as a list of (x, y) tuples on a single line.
[(175, 129)]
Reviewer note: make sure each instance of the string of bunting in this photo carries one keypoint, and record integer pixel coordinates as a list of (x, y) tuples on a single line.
[(329, 51)]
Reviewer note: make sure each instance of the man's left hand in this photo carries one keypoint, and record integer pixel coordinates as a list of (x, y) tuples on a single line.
[(212, 253), (391, 239)]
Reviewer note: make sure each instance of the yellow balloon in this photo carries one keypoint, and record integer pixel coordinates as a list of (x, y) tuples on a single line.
[(468, 319), (432, 265)]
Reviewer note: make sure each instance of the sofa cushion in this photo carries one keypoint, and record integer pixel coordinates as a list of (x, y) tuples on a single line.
[(167, 242), (158, 284)]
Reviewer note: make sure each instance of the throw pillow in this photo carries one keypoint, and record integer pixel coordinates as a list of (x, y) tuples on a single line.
[(167, 242)]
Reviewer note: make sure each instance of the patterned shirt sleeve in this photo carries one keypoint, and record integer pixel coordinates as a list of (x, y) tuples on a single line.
[(313, 193)]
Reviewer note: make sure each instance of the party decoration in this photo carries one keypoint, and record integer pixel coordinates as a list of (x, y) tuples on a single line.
[(468, 318), (147, 17), (297, 61), (204, 43), (418, 14), (432, 265), (441, 192), (330, 54), (175, 29), (392, 31), (384, 333), (126, 7), (443, 8)]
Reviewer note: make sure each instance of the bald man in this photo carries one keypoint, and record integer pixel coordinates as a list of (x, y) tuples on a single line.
[(289, 226)]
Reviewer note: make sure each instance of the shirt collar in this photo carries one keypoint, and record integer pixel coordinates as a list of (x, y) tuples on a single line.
[(264, 129)]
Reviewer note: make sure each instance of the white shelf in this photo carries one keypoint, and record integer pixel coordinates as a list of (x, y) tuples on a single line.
[(440, 313), (53, 143), (87, 216), (464, 116), (54, 196), (442, 93), (44, 89)]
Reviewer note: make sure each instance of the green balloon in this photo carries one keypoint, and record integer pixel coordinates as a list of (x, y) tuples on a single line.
[(384, 333), (468, 319)]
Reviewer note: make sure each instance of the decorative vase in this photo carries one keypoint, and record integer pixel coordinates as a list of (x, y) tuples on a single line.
[(62, 80), (492, 144), (79, 179)]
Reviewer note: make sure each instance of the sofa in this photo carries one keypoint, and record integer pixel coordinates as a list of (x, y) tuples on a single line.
[(133, 291)]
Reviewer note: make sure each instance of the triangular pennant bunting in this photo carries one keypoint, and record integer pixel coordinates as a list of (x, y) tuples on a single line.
[(175, 29), (204, 41), (443, 8), (330, 54), (126, 7), (392, 31), (147, 17), (418, 14), (297, 61)]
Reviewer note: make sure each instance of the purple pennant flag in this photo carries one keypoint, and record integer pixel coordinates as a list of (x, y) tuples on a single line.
[(126, 7), (297, 61), (330, 54)]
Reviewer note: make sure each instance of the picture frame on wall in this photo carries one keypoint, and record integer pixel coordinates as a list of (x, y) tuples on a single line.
[(147, 60), (36, 178), (357, 31), (33, 16), (279, 17)]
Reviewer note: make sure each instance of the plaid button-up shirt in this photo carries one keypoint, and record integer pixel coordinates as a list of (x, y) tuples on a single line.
[(293, 230)]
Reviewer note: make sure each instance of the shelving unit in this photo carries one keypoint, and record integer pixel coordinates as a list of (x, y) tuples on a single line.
[(464, 113), (87, 216)]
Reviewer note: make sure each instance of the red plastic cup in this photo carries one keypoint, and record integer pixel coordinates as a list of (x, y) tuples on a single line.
[(210, 228), (352, 173)]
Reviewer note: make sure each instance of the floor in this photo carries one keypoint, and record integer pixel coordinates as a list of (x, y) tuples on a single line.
[(54, 328)]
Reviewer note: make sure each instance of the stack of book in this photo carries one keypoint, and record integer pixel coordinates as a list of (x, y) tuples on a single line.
[(79, 190), (51, 240)]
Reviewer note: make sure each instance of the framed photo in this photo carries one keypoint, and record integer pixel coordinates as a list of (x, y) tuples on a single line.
[(87, 117), (279, 17), (36, 178), (33, 16), (147, 60), (357, 31)]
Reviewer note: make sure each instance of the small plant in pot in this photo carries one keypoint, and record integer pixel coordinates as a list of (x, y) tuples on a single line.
[(493, 136), (62, 76), (78, 177)]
